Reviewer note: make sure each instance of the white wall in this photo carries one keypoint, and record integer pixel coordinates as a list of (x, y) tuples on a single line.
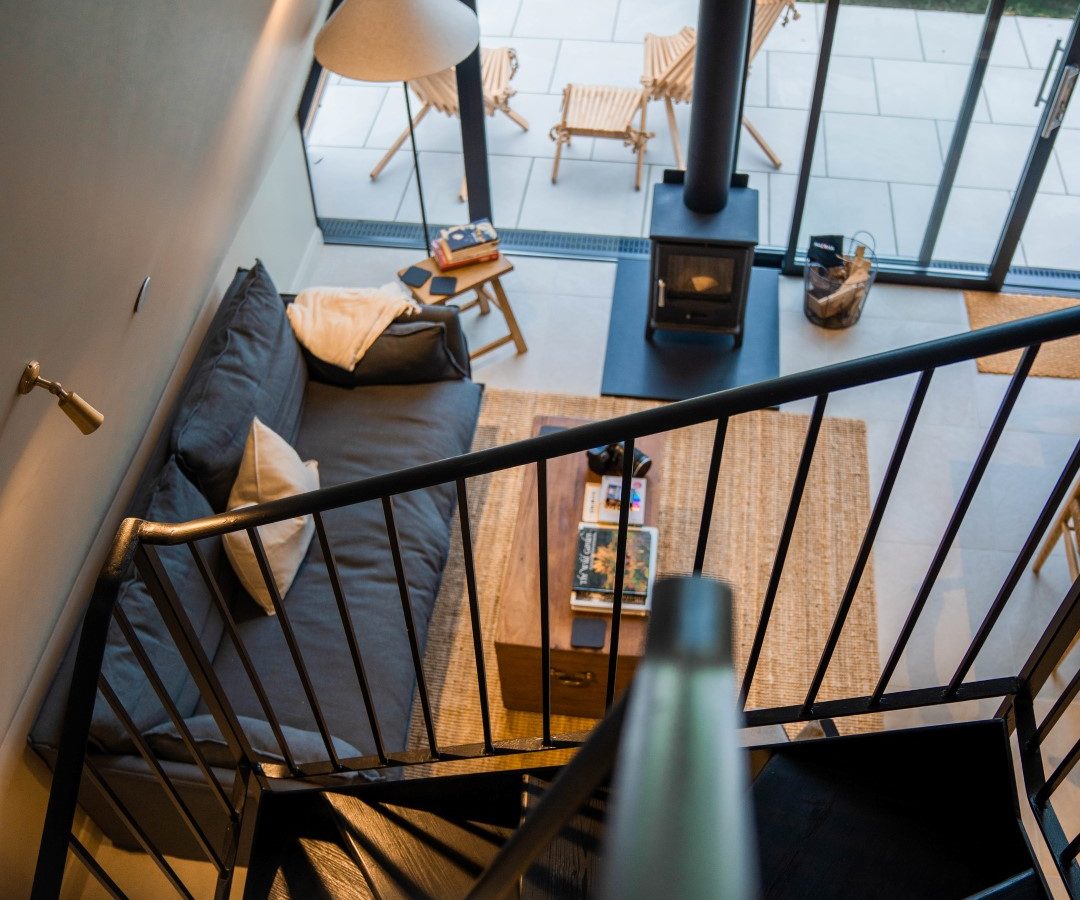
[(139, 138)]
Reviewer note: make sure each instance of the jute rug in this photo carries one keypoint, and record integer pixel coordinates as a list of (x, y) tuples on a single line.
[(760, 457), (1056, 359)]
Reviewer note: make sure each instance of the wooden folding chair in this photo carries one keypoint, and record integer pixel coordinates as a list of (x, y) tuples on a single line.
[(669, 68), (439, 92), (602, 111)]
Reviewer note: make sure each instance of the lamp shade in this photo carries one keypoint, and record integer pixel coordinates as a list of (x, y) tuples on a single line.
[(396, 40)]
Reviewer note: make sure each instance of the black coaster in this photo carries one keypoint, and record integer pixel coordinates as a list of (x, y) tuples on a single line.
[(443, 286), (676, 365), (414, 276), (587, 631)]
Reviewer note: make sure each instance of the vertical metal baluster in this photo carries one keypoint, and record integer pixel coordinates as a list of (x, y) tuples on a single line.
[(620, 573), (967, 494), (876, 515), (410, 628), (710, 494), (245, 657), (1071, 851), (474, 611), (94, 868), (1057, 710), (162, 776), (545, 611), (1058, 775), (1019, 566), (779, 559), (143, 659), (293, 645), (350, 636)]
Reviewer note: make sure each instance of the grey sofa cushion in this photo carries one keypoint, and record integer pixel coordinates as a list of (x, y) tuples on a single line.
[(355, 434), (305, 746), (412, 350), (253, 368), (175, 499)]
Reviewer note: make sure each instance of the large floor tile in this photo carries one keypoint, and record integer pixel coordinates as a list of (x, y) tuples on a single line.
[(442, 174), (785, 131), (497, 18), (895, 301), (849, 88), (346, 114), (577, 277), (994, 157), (1067, 151), (844, 206), (969, 230), (344, 266), (434, 132), (877, 32), (592, 20), (590, 197), (882, 148), (1045, 404), (637, 17), (597, 62), (344, 190), (1051, 236), (1010, 95), (536, 61), (1039, 34), (954, 37), (541, 111), (798, 35), (923, 90)]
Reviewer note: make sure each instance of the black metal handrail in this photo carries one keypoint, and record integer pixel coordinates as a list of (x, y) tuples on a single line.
[(137, 540)]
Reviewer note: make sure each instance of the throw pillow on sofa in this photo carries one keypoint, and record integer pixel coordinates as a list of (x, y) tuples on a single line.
[(252, 367), (270, 470)]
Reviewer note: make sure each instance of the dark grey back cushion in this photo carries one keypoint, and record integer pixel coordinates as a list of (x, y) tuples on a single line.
[(175, 499), (254, 368)]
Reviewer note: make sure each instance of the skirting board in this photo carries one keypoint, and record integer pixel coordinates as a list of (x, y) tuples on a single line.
[(676, 365)]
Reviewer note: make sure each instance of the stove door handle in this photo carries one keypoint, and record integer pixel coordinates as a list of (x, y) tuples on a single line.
[(660, 291)]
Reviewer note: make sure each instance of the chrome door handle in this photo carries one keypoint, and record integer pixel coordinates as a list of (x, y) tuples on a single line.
[(1039, 98)]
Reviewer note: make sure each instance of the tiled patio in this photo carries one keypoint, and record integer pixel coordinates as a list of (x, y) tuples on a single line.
[(895, 83)]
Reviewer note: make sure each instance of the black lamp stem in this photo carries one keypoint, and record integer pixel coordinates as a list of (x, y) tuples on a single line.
[(416, 166)]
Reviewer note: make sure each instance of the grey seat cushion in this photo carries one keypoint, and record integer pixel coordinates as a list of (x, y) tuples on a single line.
[(252, 367), (355, 434)]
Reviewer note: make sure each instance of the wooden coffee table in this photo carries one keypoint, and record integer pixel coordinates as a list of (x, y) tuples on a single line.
[(578, 675)]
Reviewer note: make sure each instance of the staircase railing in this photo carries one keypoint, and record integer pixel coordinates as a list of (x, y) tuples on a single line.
[(138, 541)]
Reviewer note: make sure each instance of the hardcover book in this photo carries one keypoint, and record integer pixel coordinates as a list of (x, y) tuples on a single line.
[(465, 237), (594, 568)]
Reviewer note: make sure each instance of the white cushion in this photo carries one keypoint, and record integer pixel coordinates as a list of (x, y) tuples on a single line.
[(270, 469)]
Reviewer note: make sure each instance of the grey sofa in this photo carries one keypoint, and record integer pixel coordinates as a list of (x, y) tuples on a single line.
[(250, 364)]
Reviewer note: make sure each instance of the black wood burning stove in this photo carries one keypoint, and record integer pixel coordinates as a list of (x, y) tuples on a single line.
[(700, 263), (704, 231)]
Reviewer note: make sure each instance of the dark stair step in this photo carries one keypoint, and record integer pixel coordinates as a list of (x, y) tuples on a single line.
[(928, 812), (569, 867)]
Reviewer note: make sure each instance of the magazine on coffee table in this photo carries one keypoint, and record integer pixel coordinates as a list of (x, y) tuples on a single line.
[(594, 569)]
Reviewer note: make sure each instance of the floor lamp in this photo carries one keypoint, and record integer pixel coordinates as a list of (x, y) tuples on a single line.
[(398, 40)]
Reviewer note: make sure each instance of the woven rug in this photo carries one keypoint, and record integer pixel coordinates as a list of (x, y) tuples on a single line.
[(1056, 359), (760, 457)]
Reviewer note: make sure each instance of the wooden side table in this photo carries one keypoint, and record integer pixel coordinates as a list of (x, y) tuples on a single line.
[(483, 279)]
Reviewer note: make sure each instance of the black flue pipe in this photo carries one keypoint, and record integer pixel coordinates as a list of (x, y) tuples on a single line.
[(719, 66)]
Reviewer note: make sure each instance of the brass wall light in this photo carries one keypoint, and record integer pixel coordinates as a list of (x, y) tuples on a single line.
[(85, 417)]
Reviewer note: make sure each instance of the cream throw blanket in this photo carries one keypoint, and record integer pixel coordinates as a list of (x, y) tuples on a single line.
[(338, 325)]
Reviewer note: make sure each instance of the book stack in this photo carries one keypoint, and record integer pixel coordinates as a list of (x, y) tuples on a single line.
[(464, 245)]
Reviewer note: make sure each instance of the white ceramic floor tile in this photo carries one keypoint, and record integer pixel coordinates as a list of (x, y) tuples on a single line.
[(1051, 237), (344, 266), (882, 148), (923, 90), (969, 230), (597, 62), (757, 82), (785, 132), (344, 190), (850, 85), (844, 206), (1067, 151), (994, 157), (798, 35), (536, 61), (781, 207), (435, 131), (1010, 95), (637, 17), (346, 115), (590, 197), (577, 277), (442, 173), (541, 111), (496, 18), (578, 19), (1038, 35), (877, 32), (954, 37), (1045, 405)]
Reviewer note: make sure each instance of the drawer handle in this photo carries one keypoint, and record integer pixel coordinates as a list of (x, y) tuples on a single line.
[(572, 679)]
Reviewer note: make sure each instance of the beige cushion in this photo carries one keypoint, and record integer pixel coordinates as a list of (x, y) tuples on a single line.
[(269, 470)]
